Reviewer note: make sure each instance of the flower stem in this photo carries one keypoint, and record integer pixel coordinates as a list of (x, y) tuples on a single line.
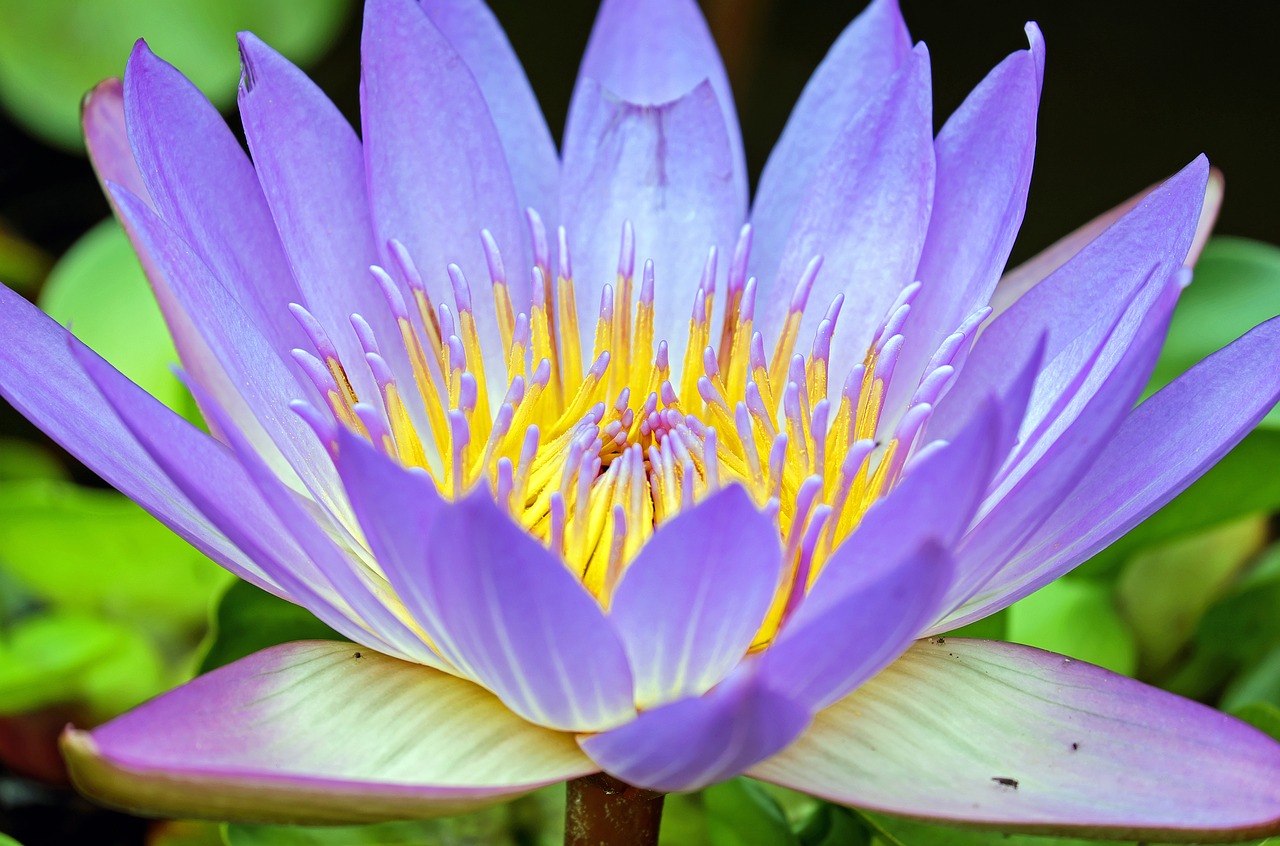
[(602, 811)]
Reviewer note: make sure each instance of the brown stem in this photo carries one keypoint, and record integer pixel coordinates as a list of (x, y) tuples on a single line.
[(602, 811)]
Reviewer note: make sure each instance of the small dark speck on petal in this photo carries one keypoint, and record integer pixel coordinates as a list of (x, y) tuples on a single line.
[(358, 655), (1004, 781), (1075, 746)]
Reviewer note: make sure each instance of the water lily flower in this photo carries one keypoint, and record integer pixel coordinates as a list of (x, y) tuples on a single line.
[(601, 470)]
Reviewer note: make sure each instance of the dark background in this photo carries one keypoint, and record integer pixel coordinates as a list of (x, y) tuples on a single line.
[(1133, 90)]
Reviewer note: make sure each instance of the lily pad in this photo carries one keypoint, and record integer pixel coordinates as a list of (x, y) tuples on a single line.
[(95, 551), (53, 51), (1075, 617)]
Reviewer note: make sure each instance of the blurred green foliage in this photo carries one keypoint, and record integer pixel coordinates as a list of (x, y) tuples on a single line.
[(53, 51)]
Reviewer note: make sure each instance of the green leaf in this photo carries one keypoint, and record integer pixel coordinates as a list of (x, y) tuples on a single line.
[(1236, 287), (95, 550), (1260, 715), (6, 840), (832, 825), (1258, 683), (1075, 617), (58, 658), (99, 291), (53, 51), (741, 813), (44, 657), (249, 619), (903, 832), (105, 667), (994, 627), (1235, 634), (488, 826), (1164, 592)]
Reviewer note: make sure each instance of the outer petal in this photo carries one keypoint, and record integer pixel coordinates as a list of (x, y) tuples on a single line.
[(866, 211), (1059, 459), (1162, 446), (319, 733), (985, 152), (352, 577), (1091, 752), (311, 168), (531, 153), (205, 472), (1027, 275), (1091, 290), (417, 95), (687, 608), (204, 186), (668, 169), (495, 602), (262, 378), (651, 52), (865, 57), (41, 378), (107, 139), (689, 744)]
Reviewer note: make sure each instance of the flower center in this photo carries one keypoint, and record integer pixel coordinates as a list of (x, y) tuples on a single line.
[(591, 458)]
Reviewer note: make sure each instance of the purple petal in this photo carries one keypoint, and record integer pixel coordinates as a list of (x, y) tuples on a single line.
[(866, 212), (653, 52), (254, 366), (1160, 448), (361, 588), (474, 32), (495, 603), (1017, 739), (1084, 297), (204, 187), (205, 472), (847, 632), (865, 57), (689, 744), (985, 152), (1057, 461), (397, 510), (1027, 275), (107, 139), (311, 168), (668, 169), (319, 733), (689, 605), (417, 95), (46, 384)]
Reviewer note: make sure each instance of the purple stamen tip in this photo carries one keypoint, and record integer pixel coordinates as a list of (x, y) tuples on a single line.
[(497, 272), (627, 252), (538, 235), (461, 290), (395, 300), (563, 261)]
